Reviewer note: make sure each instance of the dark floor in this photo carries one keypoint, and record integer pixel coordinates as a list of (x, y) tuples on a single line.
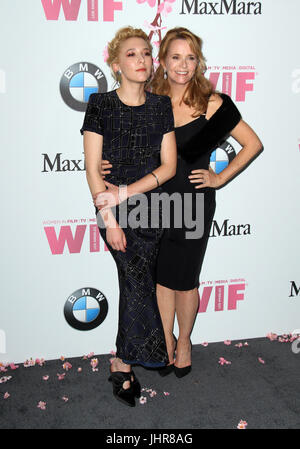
[(213, 396)]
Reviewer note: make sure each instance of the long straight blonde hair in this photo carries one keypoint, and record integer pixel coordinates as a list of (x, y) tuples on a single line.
[(199, 89)]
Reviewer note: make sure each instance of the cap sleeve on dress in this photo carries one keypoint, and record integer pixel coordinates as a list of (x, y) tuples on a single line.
[(93, 115), (168, 116)]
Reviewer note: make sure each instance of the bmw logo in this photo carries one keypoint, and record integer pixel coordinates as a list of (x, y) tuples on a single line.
[(79, 81), (221, 157), (86, 308)]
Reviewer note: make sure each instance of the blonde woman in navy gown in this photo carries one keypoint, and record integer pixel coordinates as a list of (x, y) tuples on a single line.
[(134, 129), (203, 119)]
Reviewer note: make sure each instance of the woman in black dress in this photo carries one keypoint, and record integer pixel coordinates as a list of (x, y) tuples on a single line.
[(203, 119), (133, 129)]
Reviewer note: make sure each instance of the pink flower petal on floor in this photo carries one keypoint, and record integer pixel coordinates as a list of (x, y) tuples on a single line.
[(261, 360), (153, 393), (13, 366), (42, 405), (271, 336), (46, 377), (64, 398), (113, 353), (4, 379), (239, 345), (61, 376), (6, 395), (223, 361), (227, 342), (94, 363), (62, 358), (204, 343), (79, 369), (91, 354), (242, 424), (166, 393), (67, 366), (143, 400)]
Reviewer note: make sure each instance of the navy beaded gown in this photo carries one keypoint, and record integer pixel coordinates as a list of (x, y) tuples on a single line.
[(132, 138)]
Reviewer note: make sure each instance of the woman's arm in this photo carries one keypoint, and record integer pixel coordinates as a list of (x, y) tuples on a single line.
[(251, 146), (93, 144), (163, 173), (167, 169)]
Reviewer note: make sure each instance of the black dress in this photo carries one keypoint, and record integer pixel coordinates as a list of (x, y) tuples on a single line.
[(132, 138), (180, 259)]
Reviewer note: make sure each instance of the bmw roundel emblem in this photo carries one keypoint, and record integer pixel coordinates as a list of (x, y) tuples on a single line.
[(86, 308), (79, 81), (221, 157)]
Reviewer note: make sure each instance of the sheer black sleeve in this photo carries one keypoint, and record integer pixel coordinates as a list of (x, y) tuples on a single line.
[(168, 116), (93, 116)]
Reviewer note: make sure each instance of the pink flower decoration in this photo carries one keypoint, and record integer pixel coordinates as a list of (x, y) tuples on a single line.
[(6, 395), (42, 405), (65, 399), (261, 360), (151, 3), (46, 377), (62, 358), (2, 369), (94, 364), (223, 361), (239, 345), (67, 366), (4, 379), (153, 27), (13, 366), (40, 362), (113, 353), (143, 400), (61, 376), (164, 8), (227, 342), (242, 424), (153, 393), (105, 53), (166, 393), (79, 369), (271, 336), (204, 343)]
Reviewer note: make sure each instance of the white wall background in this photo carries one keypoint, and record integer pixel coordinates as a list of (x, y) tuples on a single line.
[(35, 52)]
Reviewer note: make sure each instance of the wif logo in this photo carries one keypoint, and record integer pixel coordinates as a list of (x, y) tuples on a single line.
[(71, 9), (230, 291)]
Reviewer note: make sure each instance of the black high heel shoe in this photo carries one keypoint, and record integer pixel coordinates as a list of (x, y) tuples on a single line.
[(168, 369), (181, 372), (135, 385), (126, 396)]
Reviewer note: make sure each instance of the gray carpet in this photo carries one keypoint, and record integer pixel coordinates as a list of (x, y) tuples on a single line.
[(213, 396)]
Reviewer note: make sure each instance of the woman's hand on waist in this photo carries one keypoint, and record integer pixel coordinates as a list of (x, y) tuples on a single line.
[(205, 178)]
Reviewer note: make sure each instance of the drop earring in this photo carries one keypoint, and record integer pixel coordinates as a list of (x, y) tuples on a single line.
[(165, 75)]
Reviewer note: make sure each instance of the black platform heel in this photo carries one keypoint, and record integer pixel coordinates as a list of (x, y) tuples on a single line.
[(168, 369), (135, 385), (126, 396), (181, 372)]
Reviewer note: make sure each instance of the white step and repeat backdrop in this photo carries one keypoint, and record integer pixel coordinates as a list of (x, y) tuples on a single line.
[(59, 283)]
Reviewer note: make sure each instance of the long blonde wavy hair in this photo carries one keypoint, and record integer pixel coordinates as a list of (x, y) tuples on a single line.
[(199, 89)]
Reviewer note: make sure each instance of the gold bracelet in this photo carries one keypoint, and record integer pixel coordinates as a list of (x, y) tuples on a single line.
[(155, 178)]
